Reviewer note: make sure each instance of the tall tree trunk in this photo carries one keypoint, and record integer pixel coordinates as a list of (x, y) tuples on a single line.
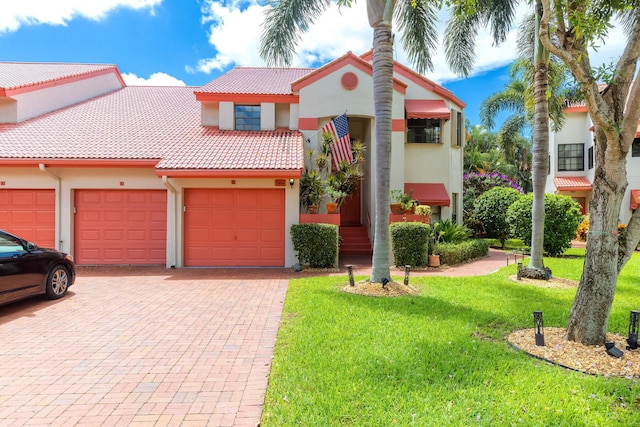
[(383, 99), (540, 162), (589, 317)]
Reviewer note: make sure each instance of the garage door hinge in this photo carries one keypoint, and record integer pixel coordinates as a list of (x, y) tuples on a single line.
[(74, 210), (184, 209)]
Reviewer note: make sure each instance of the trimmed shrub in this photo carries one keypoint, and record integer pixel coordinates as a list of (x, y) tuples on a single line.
[(409, 243), (450, 232), (491, 208), (561, 219), (317, 244), (455, 253)]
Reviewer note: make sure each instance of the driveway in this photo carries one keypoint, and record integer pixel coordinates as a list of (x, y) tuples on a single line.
[(143, 346)]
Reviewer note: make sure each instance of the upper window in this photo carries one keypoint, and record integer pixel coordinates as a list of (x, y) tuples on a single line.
[(459, 129), (426, 131), (635, 148), (247, 117), (570, 157), (590, 157)]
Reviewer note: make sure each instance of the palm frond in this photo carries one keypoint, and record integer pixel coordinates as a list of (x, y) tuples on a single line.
[(283, 25), (417, 22), (460, 42)]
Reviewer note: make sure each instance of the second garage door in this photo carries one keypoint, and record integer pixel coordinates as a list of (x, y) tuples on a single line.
[(120, 227), (29, 214), (228, 227)]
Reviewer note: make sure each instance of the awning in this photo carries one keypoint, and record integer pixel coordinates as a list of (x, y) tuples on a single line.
[(432, 194), (572, 183), (426, 109), (635, 199)]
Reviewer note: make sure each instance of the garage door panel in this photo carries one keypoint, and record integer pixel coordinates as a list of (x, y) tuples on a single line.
[(235, 223), (120, 226), (30, 214)]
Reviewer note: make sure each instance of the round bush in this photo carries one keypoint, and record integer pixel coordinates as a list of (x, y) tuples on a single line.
[(491, 208), (561, 219)]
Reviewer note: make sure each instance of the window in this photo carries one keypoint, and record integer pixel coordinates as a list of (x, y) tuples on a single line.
[(571, 157), (247, 117), (635, 148), (590, 157), (426, 131), (459, 129), (454, 208)]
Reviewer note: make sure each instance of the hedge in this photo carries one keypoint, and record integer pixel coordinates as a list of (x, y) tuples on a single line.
[(317, 244), (409, 243), (456, 253)]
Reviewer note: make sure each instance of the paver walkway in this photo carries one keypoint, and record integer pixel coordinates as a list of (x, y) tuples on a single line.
[(152, 347)]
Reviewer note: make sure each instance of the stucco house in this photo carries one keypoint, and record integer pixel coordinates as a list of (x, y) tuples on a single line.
[(571, 162), (203, 176)]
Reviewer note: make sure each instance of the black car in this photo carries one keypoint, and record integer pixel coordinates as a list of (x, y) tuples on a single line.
[(27, 270)]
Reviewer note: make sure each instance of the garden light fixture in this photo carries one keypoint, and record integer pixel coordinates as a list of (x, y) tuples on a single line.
[(538, 325), (632, 340), (407, 270), (384, 282), (350, 271), (612, 350)]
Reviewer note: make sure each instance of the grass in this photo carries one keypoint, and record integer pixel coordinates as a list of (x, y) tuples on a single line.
[(439, 359), (508, 244)]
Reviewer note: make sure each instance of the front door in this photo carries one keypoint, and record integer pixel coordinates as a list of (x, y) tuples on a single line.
[(350, 210)]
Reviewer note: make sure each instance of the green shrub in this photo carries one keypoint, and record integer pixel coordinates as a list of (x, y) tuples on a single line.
[(317, 244), (561, 219), (491, 208), (409, 243), (449, 232), (455, 253)]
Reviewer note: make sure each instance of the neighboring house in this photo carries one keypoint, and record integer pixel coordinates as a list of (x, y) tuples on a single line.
[(571, 162), (186, 176)]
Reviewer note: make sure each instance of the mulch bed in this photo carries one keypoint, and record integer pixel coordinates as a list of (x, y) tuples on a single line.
[(375, 289)]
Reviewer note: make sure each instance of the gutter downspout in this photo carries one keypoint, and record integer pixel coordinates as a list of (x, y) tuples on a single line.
[(172, 189), (57, 214)]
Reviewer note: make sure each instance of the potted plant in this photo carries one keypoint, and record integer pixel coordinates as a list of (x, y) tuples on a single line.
[(401, 202), (425, 211), (334, 198), (435, 236), (312, 190)]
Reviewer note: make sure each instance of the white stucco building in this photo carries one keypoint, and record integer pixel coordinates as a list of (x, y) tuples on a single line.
[(571, 163), (203, 176)]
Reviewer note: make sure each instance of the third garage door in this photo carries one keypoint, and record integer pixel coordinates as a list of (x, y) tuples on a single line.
[(229, 227), (120, 227)]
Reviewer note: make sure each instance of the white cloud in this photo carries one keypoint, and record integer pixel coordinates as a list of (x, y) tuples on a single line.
[(34, 12), (235, 30), (156, 79)]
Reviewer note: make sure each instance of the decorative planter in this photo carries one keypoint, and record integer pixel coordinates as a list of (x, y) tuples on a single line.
[(396, 209), (313, 209), (319, 219), (434, 260), (425, 219), (332, 208)]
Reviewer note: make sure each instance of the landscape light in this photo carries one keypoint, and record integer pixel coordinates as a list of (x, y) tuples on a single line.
[(612, 350), (632, 340), (350, 271), (384, 282), (407, 270), (538, 325)]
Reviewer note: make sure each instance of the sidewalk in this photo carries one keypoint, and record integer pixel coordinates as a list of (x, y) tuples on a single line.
[(495, 260)]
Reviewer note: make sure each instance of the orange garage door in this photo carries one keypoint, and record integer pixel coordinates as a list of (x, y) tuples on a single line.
[(120, 227), (30, 214), (226, 227)]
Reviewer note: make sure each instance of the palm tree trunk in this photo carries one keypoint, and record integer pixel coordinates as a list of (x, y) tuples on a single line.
[(383, 99), (540, 162)]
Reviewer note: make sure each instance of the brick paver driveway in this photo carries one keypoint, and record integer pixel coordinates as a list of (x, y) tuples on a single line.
[(143, 346)]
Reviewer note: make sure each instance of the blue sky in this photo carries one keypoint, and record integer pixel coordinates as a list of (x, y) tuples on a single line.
[(169, 42)]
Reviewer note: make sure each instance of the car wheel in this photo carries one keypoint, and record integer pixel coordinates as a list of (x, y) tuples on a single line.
[(57, 282)]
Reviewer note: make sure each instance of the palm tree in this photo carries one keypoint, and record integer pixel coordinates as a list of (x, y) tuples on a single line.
[(417, 20)]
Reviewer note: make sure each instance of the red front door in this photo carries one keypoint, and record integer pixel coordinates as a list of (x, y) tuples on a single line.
[(350, 210)]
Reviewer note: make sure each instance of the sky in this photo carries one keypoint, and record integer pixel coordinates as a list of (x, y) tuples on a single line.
[(191, 42)]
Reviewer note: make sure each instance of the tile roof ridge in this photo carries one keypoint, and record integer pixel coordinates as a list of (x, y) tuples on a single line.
[(59, 63)]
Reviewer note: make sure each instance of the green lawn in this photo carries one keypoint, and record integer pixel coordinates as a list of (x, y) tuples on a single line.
[(439, 359)]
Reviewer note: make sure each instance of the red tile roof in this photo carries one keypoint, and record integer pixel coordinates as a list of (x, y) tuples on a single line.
[(572, 183), (250, 80), (22, 74), (155, 123)]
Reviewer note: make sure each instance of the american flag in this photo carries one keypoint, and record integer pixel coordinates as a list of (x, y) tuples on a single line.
[(341, 145)]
